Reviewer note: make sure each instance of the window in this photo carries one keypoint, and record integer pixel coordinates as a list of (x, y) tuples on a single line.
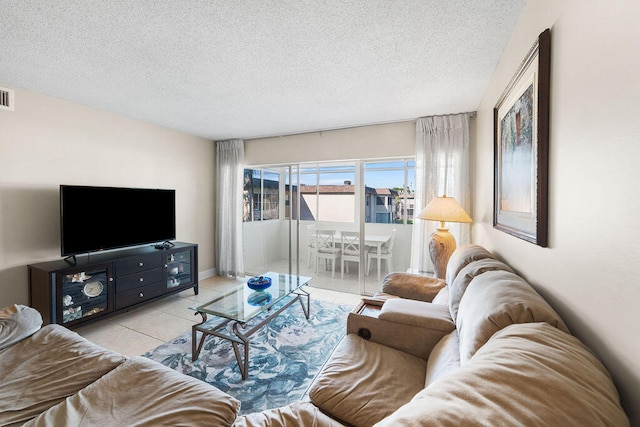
[(270, 194), (383, 218), (389, 188), (328, 192), (261, 195)]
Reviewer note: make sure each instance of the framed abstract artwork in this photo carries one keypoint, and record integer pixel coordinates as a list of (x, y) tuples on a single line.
[(521, 147)]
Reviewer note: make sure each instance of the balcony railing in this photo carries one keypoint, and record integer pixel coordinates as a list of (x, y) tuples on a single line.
[(266, 248)]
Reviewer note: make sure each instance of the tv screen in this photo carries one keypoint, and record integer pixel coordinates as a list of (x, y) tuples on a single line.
[(99, 218)]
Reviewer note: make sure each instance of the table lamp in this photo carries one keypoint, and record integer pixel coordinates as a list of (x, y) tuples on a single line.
[(442, 243)]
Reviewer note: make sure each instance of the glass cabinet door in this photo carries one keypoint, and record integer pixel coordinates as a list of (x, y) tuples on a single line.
[(179, 270), (84, 293)]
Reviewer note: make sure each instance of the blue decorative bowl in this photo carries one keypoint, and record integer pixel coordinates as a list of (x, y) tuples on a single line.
[(259, 283), (259, 298)]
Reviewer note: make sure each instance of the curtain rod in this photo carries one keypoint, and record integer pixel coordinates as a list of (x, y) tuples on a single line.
[(471, 114)]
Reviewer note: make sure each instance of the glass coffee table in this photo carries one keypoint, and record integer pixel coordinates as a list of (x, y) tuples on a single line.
[(241, 304)]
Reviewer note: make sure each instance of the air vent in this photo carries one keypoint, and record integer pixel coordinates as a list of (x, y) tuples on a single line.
[(6, 99)]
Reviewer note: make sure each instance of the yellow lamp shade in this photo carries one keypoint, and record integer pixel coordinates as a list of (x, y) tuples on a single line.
[(445, 209)]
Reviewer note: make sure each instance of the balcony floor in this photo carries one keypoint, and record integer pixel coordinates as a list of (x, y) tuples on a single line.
[(323, 280)]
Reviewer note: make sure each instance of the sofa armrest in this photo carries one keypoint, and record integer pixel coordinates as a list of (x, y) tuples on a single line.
[(418, 313), (16, 323), (413, 327), (412, 286)]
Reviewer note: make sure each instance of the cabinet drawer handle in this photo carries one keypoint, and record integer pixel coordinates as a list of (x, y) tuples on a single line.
[(141, 279), (141, 295), (141, 264)]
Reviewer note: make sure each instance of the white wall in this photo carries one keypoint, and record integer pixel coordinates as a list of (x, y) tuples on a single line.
[(262, 243), (332, 207), (588, 273), (47, 142)]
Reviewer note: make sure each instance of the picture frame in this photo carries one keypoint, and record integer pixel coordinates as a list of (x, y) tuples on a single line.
[(521, 148)]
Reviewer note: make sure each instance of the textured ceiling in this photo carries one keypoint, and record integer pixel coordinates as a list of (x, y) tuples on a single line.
[(247, 68)]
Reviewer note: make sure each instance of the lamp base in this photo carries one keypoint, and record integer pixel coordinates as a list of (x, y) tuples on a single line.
[(441, 246)]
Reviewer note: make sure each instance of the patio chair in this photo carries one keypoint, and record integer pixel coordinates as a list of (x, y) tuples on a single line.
[(350, 249), (326, 249), (311, 242)]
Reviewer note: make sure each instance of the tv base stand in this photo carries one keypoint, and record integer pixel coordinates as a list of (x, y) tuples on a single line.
[(71, 259), (164, 245)]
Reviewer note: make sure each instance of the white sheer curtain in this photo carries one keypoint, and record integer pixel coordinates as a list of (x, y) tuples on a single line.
[(230, 174), (442, 167)]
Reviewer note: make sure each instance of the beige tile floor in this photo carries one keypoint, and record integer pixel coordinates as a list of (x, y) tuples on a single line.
[(144, 328)]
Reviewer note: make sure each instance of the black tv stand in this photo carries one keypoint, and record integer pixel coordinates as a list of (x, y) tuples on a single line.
[(164, 245), (110, 282), (71, 259)]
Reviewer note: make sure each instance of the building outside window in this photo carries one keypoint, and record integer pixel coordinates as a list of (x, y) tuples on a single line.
[(328, 193), (261, 195), (390, 191)]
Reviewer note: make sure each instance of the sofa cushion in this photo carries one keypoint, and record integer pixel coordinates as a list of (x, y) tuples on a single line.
[(462, 256), (526, 375), (412, 286), (363, 382), (442, 297), (42, 370), (296, 414), (17, 322), (142, 392), (459, 285), (444, 358), (494, 300)]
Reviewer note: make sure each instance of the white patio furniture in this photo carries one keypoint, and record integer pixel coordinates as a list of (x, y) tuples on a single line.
[(326, 249), (382, 252), (311, 242), (350, 249)]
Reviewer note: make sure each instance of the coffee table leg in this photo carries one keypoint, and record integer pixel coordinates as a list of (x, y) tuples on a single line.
[(195, 351), (243, 365), (306, 309)]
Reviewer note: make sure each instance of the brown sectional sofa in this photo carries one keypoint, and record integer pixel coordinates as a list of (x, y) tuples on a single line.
[(481, 348)]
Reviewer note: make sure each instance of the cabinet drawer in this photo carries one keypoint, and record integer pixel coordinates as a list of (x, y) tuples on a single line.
[(134, 296), (138, 263), (133, 281)]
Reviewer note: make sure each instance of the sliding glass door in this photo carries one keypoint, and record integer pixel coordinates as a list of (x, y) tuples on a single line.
[(328, 207), (269, 231), (388, 218), (364, 207)]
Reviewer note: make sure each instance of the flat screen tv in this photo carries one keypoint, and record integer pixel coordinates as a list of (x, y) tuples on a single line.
[(100, 218)]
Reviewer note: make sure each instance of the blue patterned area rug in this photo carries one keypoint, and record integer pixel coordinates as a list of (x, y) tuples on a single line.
[(285, 355)]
